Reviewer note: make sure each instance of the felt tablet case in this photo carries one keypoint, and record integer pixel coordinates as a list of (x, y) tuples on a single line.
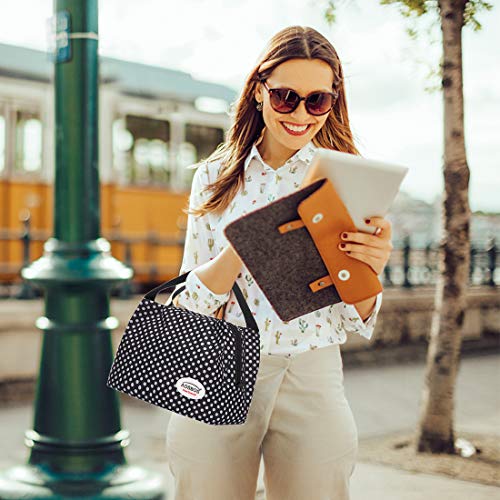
[(290, 247)]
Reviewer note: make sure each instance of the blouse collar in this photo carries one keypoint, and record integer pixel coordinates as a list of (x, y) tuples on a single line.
[(305, 154)]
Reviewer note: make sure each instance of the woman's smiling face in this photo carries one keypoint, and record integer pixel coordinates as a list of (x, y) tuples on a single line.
[(304, 76)]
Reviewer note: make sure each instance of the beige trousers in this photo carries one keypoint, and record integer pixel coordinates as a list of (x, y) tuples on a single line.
[(299, 421)]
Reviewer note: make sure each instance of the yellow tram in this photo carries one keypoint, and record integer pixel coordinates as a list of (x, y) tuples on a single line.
[(153, 123)]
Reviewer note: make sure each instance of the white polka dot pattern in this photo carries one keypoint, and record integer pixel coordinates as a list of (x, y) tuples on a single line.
[(163, 344)]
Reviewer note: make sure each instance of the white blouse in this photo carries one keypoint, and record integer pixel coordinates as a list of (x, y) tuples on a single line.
[(205, 239)]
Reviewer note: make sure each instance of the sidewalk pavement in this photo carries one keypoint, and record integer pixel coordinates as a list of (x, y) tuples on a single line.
[(383, 399)]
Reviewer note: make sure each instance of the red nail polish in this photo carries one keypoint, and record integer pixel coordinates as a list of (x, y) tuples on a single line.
[(344, 235), (342, 245), (367, 221)]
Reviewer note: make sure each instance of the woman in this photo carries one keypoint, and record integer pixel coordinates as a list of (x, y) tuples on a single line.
[(299, 421)]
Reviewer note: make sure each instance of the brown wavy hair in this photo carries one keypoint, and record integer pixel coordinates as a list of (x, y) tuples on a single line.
[(290, 43)]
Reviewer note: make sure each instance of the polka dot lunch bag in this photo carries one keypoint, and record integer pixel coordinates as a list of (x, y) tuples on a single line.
[(190, 363)]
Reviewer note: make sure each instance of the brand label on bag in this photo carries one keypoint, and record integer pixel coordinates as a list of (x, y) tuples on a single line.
[(190, 387)]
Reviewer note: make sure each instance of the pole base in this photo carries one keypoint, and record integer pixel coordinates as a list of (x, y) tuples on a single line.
[(118, 482)]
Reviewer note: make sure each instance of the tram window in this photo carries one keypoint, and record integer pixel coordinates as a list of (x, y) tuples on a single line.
[(204, 139), (2, 143), (200, 142), (28, 151), (186, 156), (141, 150)]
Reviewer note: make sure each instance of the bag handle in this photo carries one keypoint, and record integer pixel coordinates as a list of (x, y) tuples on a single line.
[(249, 319), (177, 292)]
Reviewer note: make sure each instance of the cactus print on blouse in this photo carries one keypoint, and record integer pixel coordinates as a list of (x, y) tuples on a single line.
[(205, 239)]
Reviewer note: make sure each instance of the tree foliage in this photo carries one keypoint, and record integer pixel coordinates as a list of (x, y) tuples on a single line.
[(416, 8), (412, 8), (415, 12)]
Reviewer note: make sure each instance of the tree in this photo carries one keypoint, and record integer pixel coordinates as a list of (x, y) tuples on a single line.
[(435, 431)]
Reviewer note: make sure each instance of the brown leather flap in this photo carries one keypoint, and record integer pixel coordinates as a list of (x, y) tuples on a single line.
[(326, 217)]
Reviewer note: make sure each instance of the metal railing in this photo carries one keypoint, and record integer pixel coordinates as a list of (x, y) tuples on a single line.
[(10, 272), (408, 267)]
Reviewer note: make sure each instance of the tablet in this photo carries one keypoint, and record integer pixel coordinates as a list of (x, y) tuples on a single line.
[(366, 187)]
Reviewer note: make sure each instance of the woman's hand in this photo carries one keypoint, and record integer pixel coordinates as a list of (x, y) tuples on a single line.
[(374, 249)]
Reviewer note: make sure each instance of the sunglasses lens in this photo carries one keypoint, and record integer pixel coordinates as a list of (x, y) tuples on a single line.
[(320, 103), (283, 100), (286, 100)]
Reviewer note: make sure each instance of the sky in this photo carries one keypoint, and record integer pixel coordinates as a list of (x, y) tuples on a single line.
[(392, 116)]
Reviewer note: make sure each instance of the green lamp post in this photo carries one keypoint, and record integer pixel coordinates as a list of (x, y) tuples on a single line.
[(76, 443)]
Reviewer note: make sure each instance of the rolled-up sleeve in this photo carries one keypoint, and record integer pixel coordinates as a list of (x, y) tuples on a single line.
[(349, 319), (199, 248)]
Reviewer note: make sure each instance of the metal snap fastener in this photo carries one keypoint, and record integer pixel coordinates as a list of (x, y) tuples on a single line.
[(344, 274), (317, 217), (289, 226), (321, 283)]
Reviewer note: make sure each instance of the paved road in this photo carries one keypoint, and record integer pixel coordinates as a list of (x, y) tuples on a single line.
[(383, 400)]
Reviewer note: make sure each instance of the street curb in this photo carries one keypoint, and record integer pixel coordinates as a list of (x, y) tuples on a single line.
[(415, 352)]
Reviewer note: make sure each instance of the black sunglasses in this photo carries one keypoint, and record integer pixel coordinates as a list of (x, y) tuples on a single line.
[(285, 100)]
